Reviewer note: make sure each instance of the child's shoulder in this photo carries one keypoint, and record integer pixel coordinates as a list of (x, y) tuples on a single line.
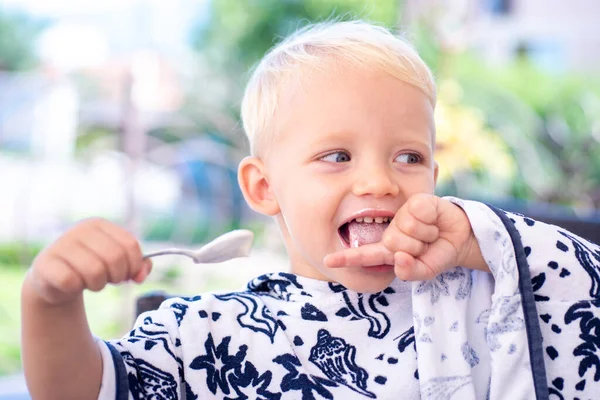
[(210, 305), (213, 306)]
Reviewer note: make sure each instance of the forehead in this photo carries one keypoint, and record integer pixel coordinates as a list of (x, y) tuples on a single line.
[(349, 99)]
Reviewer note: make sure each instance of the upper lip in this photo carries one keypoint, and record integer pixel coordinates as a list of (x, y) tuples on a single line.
[(369, 212)]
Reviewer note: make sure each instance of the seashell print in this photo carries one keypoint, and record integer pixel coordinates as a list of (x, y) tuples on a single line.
[(337, 360)]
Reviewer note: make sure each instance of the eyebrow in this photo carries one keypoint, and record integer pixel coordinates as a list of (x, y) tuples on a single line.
[(335, 136)]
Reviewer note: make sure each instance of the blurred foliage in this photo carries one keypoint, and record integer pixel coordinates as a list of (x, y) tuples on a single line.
[(468, 152), (18, 254), (188, 231), (550, 123), (11, 277), (18, 33), (95, 140), (170, 228), (256, 27)]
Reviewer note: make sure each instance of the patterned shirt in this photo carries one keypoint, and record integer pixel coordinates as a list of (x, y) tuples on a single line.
[(285, 335)]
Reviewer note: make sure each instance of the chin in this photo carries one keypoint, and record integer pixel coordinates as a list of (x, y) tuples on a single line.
[(362, 284)]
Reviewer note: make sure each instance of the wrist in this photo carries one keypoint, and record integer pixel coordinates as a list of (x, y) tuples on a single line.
[(470, 255), (473, 258)]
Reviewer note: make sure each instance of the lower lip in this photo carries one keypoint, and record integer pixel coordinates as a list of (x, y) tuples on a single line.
[(379, 268)]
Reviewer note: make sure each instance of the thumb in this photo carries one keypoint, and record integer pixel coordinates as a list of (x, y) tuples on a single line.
[(143, 272), (409, 268)]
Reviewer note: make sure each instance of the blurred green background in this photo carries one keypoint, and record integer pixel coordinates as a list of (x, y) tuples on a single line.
[(130, 110)]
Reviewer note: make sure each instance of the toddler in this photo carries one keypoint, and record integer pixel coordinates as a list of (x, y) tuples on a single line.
[(392, 292)]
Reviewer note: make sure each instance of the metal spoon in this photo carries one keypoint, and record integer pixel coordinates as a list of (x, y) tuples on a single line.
[(230, 245)]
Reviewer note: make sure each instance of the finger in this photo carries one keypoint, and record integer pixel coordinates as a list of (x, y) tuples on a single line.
[(57, 280), (424, 207), (143, 272), (406, 222), (409, 268), (84, 262), (395, 240), (108, 251), (129, 245), (367, 255)]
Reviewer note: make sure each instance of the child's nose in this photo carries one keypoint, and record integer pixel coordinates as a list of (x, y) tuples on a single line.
[(375, 181)]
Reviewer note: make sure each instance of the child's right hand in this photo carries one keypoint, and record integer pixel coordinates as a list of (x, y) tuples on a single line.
[(88, 256)]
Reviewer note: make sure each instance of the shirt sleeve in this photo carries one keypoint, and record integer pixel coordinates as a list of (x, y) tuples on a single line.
[(557, 278), (145, 363)]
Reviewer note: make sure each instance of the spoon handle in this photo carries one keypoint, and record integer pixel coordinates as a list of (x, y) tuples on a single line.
[(169, 251), (230, 245)]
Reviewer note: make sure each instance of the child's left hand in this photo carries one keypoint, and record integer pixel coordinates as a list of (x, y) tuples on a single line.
[(427, 236)]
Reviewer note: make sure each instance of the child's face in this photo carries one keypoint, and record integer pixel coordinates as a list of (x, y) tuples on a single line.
[(347, 142)]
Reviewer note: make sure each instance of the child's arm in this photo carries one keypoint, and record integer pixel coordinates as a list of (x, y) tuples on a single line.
[(427, 236), (60, 357)]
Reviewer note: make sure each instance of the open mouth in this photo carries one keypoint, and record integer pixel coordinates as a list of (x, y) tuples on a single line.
[(363, 230)]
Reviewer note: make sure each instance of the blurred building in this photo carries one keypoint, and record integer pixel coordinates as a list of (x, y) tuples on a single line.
[(38, 115), (555, 34)]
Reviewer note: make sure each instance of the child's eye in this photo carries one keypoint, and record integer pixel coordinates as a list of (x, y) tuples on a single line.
[(336, 157), (409, 158)]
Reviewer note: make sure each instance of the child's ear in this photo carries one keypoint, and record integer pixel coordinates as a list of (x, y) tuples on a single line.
[(255, 186)]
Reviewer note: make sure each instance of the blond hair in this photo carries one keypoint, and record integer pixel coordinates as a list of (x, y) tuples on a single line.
[(357, 43)]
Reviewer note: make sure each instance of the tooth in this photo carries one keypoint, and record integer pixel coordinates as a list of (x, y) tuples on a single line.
[(359, 220), (368, 220), (386, 219), (379, 220)]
